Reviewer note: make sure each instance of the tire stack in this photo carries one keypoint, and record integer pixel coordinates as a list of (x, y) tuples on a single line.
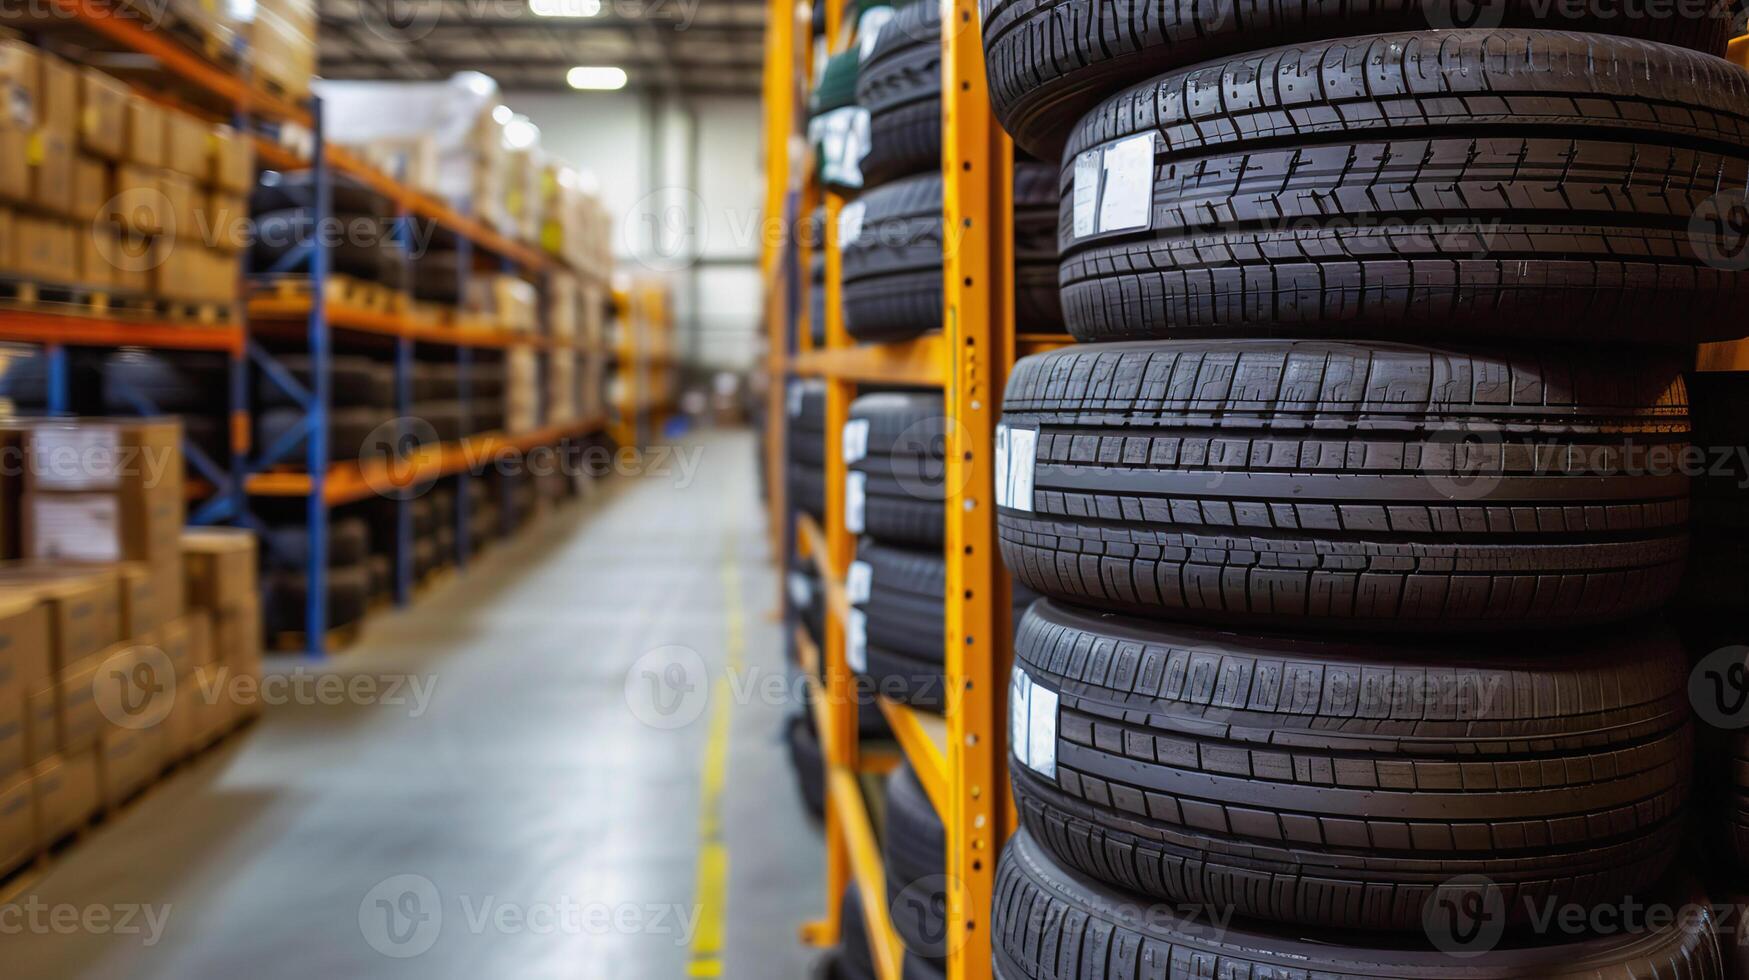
[(891, 238), (282, 208), (806, 406), (1352, 556), (193, 386), (285, 582), (894, 447), (361, 401)]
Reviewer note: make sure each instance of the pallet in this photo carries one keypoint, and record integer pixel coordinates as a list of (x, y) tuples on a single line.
[(428, 314), (51, 297), (333, 641), (279, 89), (207, 313), (355, 294)]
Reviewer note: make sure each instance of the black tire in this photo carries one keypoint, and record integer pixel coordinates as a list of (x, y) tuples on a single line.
[(348, 196), (899, 83), (1050, 61), (444, 418), (892, 271), (1341, 783), (1048, 921), (279, 232), (283, 605), (26, 382), (914, 852), (808, 598), (173, 385), (807, 490), (808, 762), (354, 382), (382, 576), (288, 546), (349, 431), (905, 624), (904, 470), (1312, 483), (436, 277), (855, 959), (918, 968), (1362, 188)]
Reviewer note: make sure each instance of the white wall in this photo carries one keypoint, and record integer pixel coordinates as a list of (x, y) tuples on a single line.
[(695, 221)]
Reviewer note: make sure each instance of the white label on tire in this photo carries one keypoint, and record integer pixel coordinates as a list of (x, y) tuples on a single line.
[(1015, 452), (1127, 199), (1041, 711), (855, 441), (850, 224), (1019, 701), (1087, 174), (856, 642), (868, 30), (795, 398), (855, 501), (801, 591), (859, 582)]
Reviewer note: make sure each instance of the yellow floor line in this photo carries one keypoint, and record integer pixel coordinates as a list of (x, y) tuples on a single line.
[(712, 887)]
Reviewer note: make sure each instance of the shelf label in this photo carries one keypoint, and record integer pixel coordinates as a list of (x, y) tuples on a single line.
[(1087, 174), (78, 457), (855, 441), (1041, 712), (1114, 187), (850, 224), (856, 641), (855, 500), (1015, 452), (1019, 701), (859, 582), (1126, 202)]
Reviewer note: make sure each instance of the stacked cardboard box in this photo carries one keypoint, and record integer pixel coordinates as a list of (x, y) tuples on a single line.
[(282, 45), (220, 571), (521, 390), (206, 173), (564, 396), (503, 301)]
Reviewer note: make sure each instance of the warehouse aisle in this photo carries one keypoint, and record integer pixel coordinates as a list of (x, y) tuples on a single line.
[(513, 807)]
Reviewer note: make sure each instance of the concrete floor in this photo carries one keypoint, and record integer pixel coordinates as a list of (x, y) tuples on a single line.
[(537, 820)]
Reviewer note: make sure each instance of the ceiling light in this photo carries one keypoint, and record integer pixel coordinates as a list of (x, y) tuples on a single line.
[(565, 8), (596, 78)]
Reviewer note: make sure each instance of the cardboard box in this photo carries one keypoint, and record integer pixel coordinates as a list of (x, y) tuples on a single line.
[(151, 597), (49, 152), (233, 161), (43, 248), (42, 723), (225, 220), (219, 567), (237, 633), (182, 204), (17, 821), (186, 150), (25, 661), (143, 134), (20, 83), (14, 750), (15, 172), (58, 111), (104, 490), (207, 711), (193, 273), (82, 606), (80, 721), (91, 191), (103, 109), (202, 649), (100, 257), (127, 762), (139, 204), (67, 795)]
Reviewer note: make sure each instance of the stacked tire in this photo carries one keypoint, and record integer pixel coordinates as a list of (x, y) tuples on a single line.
[(1352, 558), (891, 238), (806, 463)]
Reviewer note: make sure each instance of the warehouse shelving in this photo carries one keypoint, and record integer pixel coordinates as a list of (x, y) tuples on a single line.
[(644, 363), (961, 758), (195, 82)]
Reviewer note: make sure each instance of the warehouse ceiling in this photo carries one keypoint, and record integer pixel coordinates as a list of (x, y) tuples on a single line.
[(686, 46)]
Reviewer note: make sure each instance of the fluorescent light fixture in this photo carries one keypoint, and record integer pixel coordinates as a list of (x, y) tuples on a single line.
[(564, 8), (596, 79), (502, 115)]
